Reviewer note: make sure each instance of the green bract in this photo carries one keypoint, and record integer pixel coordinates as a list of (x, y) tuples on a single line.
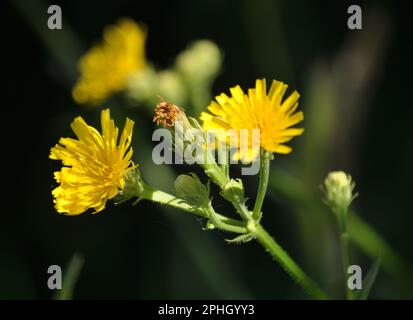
[(191, 189)]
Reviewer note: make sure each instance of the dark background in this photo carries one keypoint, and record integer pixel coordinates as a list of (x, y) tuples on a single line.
[(143, 252)]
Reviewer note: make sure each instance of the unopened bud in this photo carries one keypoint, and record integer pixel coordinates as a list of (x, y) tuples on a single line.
[(338, 189), (200, 61), (188, 140), (191, 189), (233, 189), (133, 187)]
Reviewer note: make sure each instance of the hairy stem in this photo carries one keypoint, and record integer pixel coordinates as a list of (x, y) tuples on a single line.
[(175, 202), (282, 257), (221, 224), (345, 249)]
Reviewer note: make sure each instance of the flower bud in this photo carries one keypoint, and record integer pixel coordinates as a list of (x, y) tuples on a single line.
[(200, 62), (233, 189), (191, 189), (338, 189), (133, 187), (142, 87), (188, 139), (198, 66)]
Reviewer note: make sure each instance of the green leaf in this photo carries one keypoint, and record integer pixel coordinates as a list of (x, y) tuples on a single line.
[(369, 280), (243, 238)]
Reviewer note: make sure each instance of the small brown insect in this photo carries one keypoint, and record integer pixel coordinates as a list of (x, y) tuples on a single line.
[(166, 113)]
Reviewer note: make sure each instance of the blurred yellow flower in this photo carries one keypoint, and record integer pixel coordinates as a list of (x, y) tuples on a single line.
[(95, 165), (105, 68), (256, 110)]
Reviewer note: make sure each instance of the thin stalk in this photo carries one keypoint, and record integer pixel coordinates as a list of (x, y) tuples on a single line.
[(220, 224), (263, 184), (170, 200), (345, 250), (223, 158), (175, 202), (215, 173), (70, 278), (220, 178), (241, 208)]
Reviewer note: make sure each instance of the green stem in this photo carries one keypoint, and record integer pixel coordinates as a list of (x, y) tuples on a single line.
[(170, 200), (282, 257), (218, 174), (345, 250), (70, 277), (223, 157), (262, 188), (255, 229), (232, 225), (215, 173), (175, 202), (345, 256), (231, 221), (220, 178), (220, 224), (240, 207)]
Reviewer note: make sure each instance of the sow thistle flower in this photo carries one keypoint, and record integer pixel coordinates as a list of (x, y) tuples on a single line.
[(94, 165), (256, 110), (106, 67), (97, 166)]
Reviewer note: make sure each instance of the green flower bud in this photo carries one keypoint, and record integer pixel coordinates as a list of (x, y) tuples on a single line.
[(133, 187), (188, 140), (201, 61), (191, 189), (198, 66), (338, 189), (233, 189), (143, 87)]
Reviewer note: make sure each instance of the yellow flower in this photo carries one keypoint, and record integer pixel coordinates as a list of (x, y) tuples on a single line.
[(105, 68), (95, 165), (255, 110)]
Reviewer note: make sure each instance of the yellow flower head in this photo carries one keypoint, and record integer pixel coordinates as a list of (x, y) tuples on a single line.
[(95, 165), (105, 68), (256, 110)]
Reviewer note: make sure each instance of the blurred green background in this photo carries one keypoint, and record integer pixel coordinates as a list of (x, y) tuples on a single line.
[(354, 86)]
